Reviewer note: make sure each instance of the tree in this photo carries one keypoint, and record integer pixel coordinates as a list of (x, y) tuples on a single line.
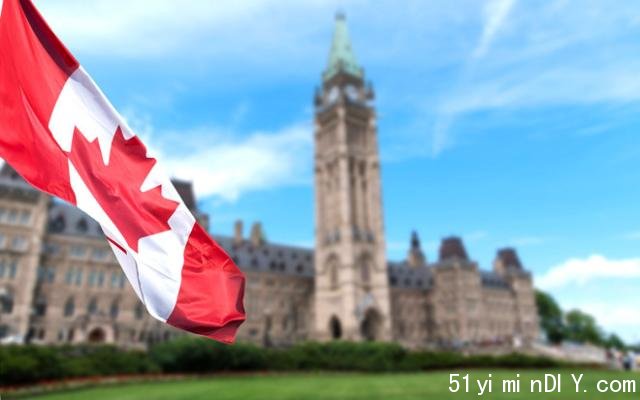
[(551, 318), (582, 327), (614, 341)]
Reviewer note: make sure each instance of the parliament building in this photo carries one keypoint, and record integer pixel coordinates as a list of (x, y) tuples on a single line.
[(60, 282)]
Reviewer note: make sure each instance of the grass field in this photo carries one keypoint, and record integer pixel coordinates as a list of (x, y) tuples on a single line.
[(349, 386)]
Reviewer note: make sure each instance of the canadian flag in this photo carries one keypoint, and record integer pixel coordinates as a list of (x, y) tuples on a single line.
[(58, 130)]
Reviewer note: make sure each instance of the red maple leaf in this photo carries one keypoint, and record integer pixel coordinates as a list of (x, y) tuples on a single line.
[(116, 186)]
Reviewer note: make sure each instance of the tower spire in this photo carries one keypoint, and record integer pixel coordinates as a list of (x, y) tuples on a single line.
[(416, 257), (341, 56)]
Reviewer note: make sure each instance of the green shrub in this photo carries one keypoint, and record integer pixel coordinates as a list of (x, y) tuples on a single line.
[(30, 364), (199, 355)]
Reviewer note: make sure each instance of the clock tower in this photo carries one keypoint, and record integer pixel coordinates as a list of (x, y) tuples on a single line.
[(351, 281)]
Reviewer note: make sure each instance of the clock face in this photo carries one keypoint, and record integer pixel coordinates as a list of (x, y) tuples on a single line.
[(352, 93), (333, 94)]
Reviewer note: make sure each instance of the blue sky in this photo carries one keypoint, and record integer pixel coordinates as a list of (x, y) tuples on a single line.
[(506, 122)]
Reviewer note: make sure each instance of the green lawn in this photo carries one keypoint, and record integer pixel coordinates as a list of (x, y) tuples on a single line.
[(409, 386)]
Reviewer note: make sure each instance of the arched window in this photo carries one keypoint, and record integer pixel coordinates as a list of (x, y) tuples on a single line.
[(334, 273), (139, 311), (114, 310), (92, 308), (6, 301), (365, 269), (40, 306), (335, 328), (69, 307)]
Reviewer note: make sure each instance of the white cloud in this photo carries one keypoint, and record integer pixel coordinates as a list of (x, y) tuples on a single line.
[(558, 53), (258, 161), (556, 86), (578, 271), (495, 13), (614, 314), (227, 164)]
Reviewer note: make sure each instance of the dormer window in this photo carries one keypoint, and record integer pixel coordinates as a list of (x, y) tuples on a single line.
[(57, 224), (82, 226)]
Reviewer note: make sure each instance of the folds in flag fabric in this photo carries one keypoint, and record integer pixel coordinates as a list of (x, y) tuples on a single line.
[(59, 131)]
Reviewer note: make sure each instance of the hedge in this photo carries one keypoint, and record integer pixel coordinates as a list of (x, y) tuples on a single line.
[(29, 364)]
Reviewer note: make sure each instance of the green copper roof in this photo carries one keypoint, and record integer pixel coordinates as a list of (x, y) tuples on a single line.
[(341, 57)]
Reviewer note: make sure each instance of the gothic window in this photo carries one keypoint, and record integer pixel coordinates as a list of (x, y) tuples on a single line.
[(401, 329), (41, 273), (139, 311), (335, 328), (115, 310), (334, 278), (365, 270), (19, 243), (99, 254), (6, 301), (92, 308), (40, 307), (51, 248), (57, 224), (12, 217), (69, 307), (114, 279), (78, 251), (82, 226), (91, 280), (68, 277), (13, 268), (50, 275), (25, 217), (78, 276)]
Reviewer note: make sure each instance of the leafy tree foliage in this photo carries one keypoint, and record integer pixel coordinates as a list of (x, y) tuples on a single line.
[(551, 317), (574, 325), (582, 327)]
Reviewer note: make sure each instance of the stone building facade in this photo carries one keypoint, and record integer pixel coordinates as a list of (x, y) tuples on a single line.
[(60, 283)]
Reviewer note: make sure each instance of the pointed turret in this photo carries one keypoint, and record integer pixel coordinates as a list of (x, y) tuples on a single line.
[(341, 56), (416, 257)]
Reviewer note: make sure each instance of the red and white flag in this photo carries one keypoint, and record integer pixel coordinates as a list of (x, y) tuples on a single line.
[(58, 130)]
